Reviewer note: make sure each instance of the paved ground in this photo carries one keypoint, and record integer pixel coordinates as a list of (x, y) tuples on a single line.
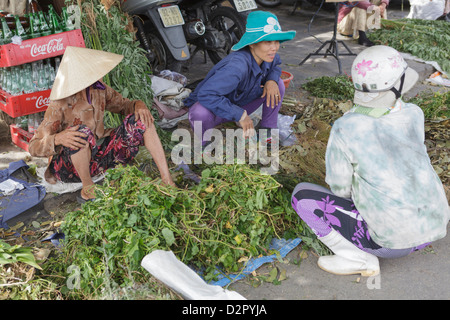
[(422, 275)]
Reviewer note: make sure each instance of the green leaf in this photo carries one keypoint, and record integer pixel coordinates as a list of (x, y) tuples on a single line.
[(168, 236)]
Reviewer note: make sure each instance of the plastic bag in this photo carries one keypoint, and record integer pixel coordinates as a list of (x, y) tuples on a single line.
[(287, 136), (174, 76)]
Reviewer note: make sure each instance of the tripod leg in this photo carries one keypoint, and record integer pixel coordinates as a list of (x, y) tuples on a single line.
[(348, 49)]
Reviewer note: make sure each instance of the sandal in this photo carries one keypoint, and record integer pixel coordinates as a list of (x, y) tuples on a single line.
[(81, 200)]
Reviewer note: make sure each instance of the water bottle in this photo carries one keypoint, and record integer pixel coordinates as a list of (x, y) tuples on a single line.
[(43, 79), (28, 82), (57, 63), (15, 91)]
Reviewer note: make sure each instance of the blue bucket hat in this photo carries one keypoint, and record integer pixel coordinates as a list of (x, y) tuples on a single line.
[(262, 26)]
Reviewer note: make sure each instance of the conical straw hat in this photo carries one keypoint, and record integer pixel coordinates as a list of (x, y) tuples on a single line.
[(81, 67)]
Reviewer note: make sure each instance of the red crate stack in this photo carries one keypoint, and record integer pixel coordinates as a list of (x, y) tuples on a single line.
[(28, 51)]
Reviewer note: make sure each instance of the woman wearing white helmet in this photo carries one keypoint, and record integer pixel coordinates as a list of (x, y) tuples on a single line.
[(386, 200)]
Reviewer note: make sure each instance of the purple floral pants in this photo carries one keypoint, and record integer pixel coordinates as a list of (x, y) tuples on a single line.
[(323, 211)]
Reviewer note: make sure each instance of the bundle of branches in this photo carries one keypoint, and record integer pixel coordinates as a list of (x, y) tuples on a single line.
[(229, 217), (106, 27), (425, 39)]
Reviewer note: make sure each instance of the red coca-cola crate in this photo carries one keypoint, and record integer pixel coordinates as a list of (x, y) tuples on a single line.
[(39, 48), (20, 137), (25, 104)]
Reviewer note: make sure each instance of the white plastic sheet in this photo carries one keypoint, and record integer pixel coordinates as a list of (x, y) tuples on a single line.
[(164, 266), (426, 9)]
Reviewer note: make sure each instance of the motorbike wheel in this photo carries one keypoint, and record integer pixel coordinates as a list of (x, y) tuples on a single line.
[(158, 57), (232, 24), (269, 3)]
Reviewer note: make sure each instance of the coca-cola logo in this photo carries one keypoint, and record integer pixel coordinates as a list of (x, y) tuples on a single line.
[(42, 102), (54, 45)]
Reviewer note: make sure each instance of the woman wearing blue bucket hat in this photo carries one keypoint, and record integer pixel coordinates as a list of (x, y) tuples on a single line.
[(248, 77)]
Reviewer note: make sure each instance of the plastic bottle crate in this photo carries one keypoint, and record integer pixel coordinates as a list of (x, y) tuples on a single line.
[(39, 48), (25, 104), (20, 137)]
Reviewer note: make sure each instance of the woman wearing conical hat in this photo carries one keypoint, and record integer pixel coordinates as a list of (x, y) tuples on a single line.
[(72, 133)]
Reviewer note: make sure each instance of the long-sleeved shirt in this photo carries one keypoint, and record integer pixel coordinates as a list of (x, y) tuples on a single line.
[(234, 82), (77, 110), (383, 166)]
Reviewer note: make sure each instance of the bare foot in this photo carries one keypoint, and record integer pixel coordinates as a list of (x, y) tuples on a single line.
[(88, 192)]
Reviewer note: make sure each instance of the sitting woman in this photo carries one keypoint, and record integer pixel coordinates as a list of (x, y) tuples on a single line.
[(248, 77), (72, 133), (353, 18), (386, 200)]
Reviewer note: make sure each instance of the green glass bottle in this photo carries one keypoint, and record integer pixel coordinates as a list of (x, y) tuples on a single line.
[(68, 25), (34, 31), (20, 31), (55, 24), (44, 28), (7, 33)]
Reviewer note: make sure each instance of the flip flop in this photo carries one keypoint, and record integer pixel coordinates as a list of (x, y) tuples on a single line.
[(81, 200)]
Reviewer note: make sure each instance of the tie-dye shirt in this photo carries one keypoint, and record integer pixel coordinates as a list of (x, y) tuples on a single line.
[(383, 165)]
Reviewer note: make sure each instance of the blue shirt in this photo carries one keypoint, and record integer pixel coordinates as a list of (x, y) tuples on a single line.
[(234, 82)]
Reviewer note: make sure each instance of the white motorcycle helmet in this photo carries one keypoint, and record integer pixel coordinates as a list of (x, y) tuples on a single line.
[(380, 76)]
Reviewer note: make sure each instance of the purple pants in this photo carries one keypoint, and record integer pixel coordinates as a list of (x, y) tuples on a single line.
[(209, 120), (323, 211)]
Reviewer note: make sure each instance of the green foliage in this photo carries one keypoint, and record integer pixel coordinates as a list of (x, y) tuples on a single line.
[(435, 105), (111, 30), (12, 254), (337, 88), (425, 39), (229, 217)]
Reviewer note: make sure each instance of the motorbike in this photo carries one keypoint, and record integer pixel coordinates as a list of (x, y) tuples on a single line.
[(173, 31)]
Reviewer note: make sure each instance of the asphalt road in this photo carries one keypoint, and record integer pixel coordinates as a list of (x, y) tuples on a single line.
[(421, 275)]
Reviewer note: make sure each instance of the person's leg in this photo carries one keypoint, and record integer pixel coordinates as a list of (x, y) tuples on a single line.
[(355, 24), (154, 146), (338, 224), (123, 144), (81, 162), (75, 165), (269, 116), (201, 117)]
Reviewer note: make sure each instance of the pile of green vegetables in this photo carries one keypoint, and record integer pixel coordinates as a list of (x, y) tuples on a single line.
[(215, 226), (337, 88), (425, 39)]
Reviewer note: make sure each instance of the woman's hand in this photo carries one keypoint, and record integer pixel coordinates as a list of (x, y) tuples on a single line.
[(382, 8), (71, 138), (142, 113), (272, 93), (247, 125)]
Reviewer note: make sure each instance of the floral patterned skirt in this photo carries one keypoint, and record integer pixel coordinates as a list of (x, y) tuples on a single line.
[(120, 147)]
